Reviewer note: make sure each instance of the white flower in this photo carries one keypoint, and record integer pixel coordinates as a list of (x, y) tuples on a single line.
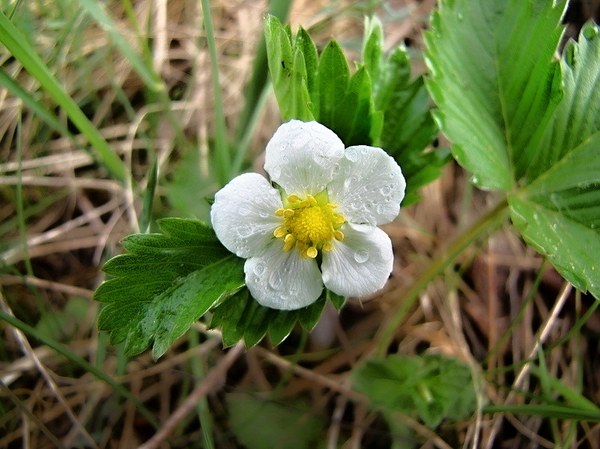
[(315, 222)]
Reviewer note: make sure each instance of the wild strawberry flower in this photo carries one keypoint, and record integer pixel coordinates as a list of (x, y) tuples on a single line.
[(315, 222)]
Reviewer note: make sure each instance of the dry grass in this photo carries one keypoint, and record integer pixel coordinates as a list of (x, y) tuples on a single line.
[(487, 309)]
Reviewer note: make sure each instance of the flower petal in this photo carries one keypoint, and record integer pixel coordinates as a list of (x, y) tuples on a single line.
[(368, 187), (282, 279), (360, 264), (301, 157), (243, 214)]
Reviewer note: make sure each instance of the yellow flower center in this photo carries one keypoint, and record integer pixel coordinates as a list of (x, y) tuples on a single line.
[(309, 224)]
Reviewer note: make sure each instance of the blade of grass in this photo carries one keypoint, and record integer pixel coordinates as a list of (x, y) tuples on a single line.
[(15, 88), (20, 48), (255, 89), (97, 12), (243, 143), (80, 361), (222, 156), (552, 385), (146, 216), (545, 411)]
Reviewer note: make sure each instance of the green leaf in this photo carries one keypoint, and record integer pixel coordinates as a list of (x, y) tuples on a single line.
[(332, 81), (346, 103), (430, 386), (262, 424), (578, 115), (559, 212), (307, 47), (287, 67), (165, 282), (376, 105), (559, 215), (173, 312), (408, 127), (525, 123), (240, 317), (495, 83), (372, 50)]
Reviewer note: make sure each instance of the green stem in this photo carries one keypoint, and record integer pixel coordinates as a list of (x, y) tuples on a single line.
[(485, 225)]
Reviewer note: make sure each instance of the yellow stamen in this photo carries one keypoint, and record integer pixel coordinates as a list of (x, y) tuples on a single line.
[(309, 224), (312, 252), (280, 232)]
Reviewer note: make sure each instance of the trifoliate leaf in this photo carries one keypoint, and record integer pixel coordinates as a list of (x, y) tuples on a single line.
[(525, 122), (431, 387), (165, 282)]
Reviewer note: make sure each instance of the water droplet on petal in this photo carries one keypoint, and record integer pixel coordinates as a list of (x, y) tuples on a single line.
[(259, 269), (275, 281), (361, 256), (245, 230), (385, 190)]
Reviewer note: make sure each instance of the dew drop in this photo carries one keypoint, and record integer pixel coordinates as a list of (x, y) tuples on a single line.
[(259, 269), (275, 281), (245, 230), (361, 256), (385, 190)]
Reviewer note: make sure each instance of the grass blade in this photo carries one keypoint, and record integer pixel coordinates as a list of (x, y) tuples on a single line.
[(20, 48)]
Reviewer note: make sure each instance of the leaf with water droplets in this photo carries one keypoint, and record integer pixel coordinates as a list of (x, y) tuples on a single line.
[(496, 83), (163, 283), (559, 215)]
